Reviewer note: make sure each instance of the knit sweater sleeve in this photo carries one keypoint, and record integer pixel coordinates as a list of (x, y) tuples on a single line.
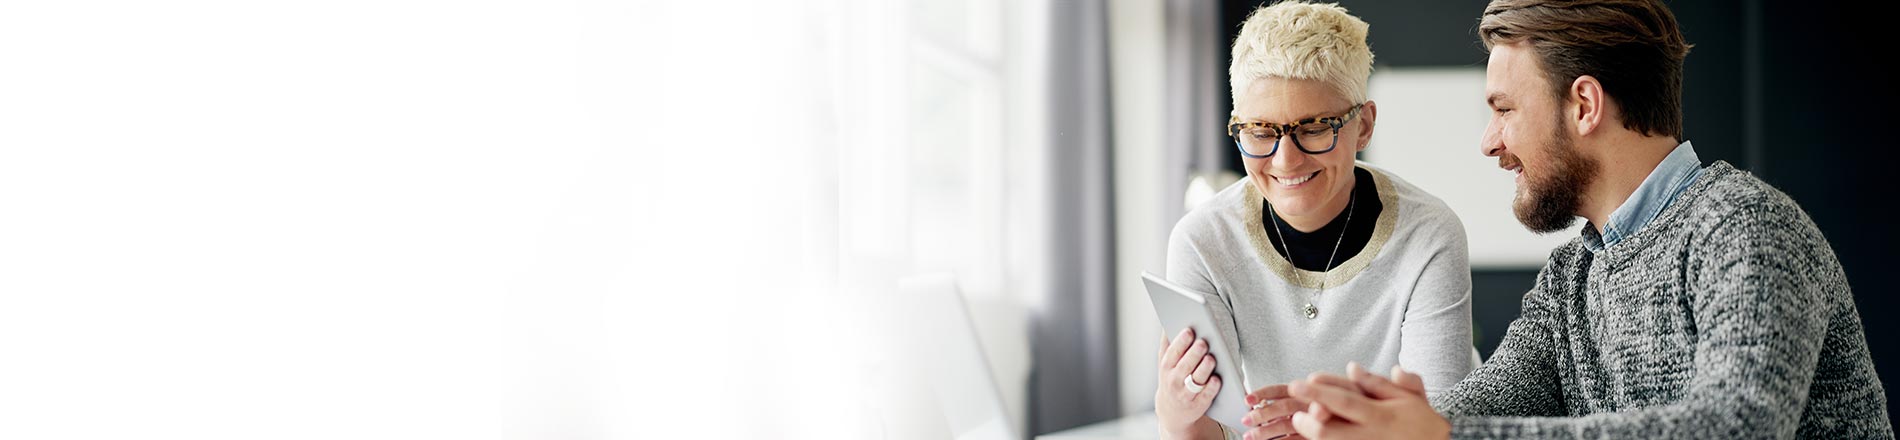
[(1758, 302), (1520, 378)]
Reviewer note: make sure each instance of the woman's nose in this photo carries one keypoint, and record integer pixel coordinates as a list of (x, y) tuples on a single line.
[(1290, 154)]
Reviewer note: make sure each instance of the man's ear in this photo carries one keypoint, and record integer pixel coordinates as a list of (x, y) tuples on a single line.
[(1587, 104), (1368, 115)]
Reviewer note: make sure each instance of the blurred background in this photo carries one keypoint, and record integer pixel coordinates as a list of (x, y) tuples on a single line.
[(742, 218)]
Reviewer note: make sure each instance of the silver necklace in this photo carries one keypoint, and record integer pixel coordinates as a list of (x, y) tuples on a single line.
[(1352, 203)]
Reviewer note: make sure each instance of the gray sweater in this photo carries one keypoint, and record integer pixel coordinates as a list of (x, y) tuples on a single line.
[(1405, 299), (1728, 316)]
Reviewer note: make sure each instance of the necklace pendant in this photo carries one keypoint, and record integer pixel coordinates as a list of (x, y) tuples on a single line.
[(1311, 312)]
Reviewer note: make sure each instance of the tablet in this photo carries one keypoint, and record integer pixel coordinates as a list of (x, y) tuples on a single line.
[(1180, 307)]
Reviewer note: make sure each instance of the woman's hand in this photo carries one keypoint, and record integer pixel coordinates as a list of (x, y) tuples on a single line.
[(1272, 411), (1275, 405), (1183, 411)]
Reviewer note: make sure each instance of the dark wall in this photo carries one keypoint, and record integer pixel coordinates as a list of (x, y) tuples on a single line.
[(1826, 104), (1792, 91)]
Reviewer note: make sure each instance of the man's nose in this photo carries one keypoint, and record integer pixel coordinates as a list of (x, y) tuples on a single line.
[(1492, 144)]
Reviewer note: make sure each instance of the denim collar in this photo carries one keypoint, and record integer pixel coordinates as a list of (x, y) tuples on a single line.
[(1667, 181)]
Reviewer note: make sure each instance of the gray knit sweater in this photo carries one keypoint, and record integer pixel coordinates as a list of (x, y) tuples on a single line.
[(1727, 316)]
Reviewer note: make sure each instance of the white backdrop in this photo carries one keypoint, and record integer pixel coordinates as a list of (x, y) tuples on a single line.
[(1430, 120), (415, 219)]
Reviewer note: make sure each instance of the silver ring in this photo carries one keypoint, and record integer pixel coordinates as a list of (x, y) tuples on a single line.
[(1188, 381)]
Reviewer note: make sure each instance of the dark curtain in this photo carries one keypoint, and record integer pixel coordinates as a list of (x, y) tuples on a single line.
[(1196, 100), (1074, 378)]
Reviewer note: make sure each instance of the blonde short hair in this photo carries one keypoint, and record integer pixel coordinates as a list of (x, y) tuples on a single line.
[(1299, 40)]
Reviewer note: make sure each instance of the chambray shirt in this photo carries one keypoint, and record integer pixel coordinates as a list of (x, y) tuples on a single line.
[(1667, 181)]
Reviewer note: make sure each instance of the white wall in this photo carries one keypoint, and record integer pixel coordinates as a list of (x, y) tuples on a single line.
[(1430, 121)]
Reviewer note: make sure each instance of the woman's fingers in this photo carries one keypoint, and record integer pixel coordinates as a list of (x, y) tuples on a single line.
[(1274, 411), (1269, 392), (1205, 370), (1272, 429), (1172, 354), (1207, 393), (1275, 408), (1191, 359)]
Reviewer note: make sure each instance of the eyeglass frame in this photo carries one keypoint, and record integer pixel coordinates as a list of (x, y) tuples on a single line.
[(1234, 126)]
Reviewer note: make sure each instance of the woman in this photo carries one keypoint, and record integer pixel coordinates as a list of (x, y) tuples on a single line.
[(1319, 260)]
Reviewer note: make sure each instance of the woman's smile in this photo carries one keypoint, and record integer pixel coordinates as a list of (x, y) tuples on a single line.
[(1295, 181)]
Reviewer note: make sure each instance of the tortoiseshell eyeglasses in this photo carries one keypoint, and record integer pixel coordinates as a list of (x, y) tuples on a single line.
[(1260, 140)]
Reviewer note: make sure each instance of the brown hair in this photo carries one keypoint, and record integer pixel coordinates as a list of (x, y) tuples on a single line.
[(1633, 47)]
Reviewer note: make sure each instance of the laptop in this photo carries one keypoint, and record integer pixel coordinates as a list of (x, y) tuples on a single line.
[(952, 360)]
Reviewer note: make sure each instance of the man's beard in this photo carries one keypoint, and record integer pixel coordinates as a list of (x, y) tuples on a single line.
[(1551, 200)]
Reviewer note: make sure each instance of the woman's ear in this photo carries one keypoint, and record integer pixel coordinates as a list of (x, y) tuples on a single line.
[(1368, 117)]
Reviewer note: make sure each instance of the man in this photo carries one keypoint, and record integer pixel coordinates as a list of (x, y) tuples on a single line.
[(1699, 302)]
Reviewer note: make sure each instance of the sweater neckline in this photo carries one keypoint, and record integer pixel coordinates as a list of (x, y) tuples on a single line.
[(1616, 255), (1345, 236), (1381, 233)]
